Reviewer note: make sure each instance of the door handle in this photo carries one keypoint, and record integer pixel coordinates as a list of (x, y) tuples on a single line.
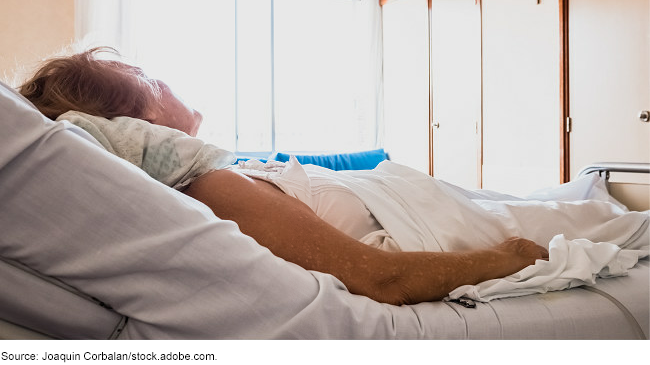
[(644, 115)]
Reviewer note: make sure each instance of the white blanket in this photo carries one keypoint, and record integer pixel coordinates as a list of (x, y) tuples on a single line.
[(587, 232), (168, 155)]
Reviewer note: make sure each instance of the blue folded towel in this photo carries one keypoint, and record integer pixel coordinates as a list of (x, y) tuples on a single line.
[(366, 160)]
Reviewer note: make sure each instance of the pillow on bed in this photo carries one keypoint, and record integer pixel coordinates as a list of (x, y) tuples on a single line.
[(366, 160)]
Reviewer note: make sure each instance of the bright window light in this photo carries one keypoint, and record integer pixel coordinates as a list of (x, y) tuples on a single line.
[(268, 75)]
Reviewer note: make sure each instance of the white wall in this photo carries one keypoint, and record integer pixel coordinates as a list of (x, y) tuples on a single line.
[(31, 30)]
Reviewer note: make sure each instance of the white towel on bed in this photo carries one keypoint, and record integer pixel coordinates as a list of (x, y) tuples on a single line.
[(588, 233), (571, 263), (168, 155)]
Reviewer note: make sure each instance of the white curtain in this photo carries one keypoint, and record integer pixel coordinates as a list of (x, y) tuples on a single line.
[(268, 75), (327, 74), (103, 23)]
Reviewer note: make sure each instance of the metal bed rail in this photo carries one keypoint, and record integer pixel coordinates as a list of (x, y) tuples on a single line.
[(607, 167)]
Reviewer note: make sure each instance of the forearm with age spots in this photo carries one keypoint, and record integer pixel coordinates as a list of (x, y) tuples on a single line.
[(290, 230)]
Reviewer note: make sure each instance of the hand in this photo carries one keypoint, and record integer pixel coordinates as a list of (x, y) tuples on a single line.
[(521, 252)]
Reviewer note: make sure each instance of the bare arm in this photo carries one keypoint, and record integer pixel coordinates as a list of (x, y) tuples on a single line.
[(292, 231)]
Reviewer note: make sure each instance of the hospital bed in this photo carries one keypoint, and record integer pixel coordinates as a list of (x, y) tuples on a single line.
[(83, 255)]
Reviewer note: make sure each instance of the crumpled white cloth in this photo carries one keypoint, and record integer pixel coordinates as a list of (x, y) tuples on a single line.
[(167, 155), (571, 263), (253, 166)]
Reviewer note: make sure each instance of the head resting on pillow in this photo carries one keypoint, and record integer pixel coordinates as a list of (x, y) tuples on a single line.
[(108, 89), (85, 83)]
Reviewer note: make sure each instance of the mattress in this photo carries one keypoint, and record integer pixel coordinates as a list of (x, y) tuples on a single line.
[(615, 308), (33, 306)]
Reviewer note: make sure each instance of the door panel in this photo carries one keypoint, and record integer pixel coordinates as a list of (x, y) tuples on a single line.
[(609, 81), (456, 90), (406, 85), (521, 103)]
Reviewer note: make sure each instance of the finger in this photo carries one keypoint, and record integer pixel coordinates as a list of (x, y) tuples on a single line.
[(545, 254)]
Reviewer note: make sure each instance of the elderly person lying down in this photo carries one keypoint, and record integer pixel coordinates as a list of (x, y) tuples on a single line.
[(360, 226)]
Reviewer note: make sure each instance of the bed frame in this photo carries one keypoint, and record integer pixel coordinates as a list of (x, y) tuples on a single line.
[(607, 167), (633, 195)]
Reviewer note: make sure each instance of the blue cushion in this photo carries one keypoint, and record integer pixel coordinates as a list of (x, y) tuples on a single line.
[(248, 158), (366, 160)]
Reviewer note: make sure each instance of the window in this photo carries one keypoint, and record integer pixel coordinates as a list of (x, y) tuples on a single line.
[(268, 75)]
